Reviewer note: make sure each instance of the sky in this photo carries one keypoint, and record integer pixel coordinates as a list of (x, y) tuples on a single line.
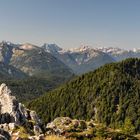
[(71, 23)]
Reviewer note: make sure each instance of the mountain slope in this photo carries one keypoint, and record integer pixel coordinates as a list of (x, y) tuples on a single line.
[(33, 60), (9, 72), (6, 51), (109, 95), (39, 63)]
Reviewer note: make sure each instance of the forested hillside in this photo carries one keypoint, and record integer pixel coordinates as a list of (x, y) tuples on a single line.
[(109, 95), (30, 88)]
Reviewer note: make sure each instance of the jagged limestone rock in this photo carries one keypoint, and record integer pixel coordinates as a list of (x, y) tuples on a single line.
[(14, 114), (10, 110), (34, 117)]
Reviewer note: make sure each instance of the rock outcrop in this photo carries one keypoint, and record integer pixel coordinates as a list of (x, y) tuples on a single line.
[(14, 115), (65, 125), (11, 111)]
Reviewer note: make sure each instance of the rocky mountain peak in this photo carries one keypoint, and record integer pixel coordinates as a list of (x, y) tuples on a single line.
[(82, 48), (52, 48)]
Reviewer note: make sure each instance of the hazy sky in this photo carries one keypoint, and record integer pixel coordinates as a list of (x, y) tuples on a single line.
[(70, 23)]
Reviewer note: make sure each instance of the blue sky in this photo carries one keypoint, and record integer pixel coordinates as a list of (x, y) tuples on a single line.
[(71, 23)]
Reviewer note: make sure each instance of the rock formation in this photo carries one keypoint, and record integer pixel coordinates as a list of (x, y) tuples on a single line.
[(64, 125), (14, 115), (71, 128)]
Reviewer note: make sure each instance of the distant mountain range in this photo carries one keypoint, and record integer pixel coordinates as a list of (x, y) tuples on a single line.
[(52, 60), (32, 60), (121, 54), (85, 58)]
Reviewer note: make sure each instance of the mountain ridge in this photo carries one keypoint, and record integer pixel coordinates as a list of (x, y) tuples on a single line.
[(32, 60), (79, 60)]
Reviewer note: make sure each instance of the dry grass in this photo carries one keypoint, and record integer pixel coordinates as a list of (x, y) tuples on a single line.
[(57, 138)]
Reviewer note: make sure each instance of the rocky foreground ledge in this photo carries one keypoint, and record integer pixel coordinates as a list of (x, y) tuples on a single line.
[(15, 119)]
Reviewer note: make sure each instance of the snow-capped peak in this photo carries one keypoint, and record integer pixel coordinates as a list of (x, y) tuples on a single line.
[(51, 48), (80, 49), (111, 50)]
